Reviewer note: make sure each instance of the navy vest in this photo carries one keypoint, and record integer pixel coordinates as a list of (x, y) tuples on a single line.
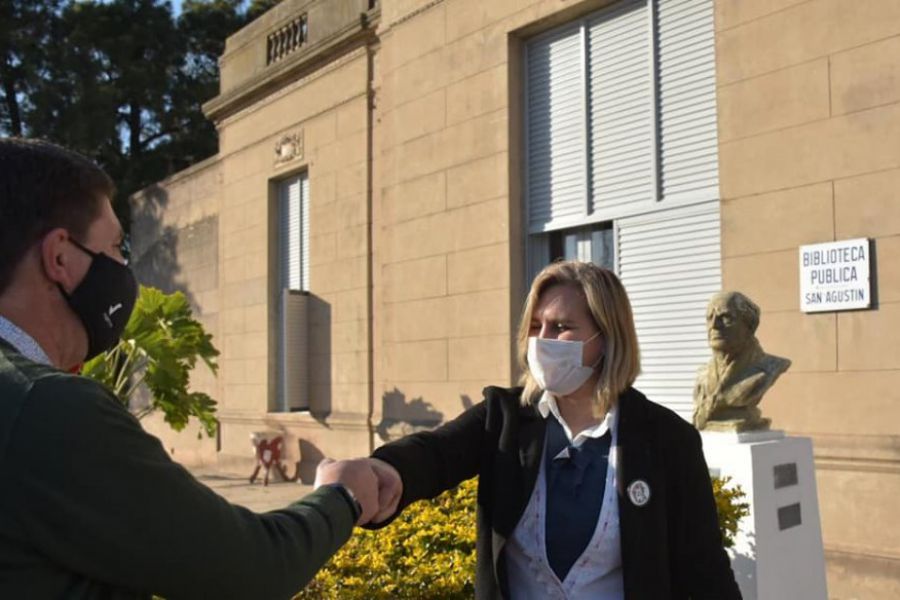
[(576, 481)]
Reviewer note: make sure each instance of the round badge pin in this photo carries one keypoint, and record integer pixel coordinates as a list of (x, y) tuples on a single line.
[(639, 492)]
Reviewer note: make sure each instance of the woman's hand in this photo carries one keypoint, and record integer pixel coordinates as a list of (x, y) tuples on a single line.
[(390, 489)]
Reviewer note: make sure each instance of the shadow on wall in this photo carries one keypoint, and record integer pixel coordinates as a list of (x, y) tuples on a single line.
[(154, 247), (160, 252), (310, 456), (401, 417), (319, 344)]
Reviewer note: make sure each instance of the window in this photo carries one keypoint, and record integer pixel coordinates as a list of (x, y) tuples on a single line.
[(622, 170), (621, 114), (293, 273), (594, 243), (293, 218)]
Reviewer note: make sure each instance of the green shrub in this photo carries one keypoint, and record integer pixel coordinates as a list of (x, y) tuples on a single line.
[(428, 553), (730, 508)]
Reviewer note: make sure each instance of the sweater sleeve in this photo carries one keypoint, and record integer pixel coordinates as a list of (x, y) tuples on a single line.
[(100, 497), (432, 462)]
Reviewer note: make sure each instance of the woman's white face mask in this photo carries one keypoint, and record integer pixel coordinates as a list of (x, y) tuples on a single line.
[(556, 364)]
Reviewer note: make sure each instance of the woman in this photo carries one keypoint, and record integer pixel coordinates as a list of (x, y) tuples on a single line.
[(586, 489)]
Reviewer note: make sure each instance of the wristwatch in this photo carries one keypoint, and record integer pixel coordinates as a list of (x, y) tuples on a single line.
[(349, 497)]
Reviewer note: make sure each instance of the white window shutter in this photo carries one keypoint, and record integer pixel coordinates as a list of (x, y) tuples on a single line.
[(293, 335), (304, 233), (556, 133), (291, 233), (669, 263), (622, 128), (687, 100)]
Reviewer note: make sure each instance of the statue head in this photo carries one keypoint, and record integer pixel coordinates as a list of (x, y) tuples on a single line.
[(731, 322)]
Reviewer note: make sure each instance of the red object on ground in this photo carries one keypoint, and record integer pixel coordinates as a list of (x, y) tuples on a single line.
[(268, 455)]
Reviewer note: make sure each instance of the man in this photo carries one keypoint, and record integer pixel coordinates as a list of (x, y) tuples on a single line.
[(730, 386), (90, 505)]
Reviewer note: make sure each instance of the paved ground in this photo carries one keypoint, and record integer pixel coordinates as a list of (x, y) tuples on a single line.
[(256, 497)]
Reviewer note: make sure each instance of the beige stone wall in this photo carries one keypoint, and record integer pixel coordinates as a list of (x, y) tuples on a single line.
[(245, 60), (809, 107), (329, 109), (175, 232), (448, 261)]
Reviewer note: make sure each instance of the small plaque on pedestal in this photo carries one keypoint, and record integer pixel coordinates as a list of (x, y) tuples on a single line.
[(778, 550)]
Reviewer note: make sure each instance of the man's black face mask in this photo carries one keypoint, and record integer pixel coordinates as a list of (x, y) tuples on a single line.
[(103, 300)]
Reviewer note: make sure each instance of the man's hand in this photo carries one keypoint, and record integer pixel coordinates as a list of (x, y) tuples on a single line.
[(359, 477), (390, 489)]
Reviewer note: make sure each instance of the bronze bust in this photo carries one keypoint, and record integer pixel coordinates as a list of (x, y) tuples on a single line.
[(730, 386)]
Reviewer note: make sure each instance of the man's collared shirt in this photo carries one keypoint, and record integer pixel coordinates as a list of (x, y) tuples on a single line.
[(21, 341)]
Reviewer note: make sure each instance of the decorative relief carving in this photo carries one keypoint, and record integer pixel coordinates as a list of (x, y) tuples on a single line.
[(289, 147)]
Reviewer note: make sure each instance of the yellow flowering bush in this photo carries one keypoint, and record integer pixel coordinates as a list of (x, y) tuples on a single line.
[(730, 508), (428, 553)]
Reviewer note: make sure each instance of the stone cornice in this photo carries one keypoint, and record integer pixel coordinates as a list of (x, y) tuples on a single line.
[(293, 67)]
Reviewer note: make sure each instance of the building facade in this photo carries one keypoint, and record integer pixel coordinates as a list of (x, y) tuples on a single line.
[(391, 175)]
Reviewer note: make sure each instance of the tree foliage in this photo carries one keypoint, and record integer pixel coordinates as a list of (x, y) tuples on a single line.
[(160, 346), (122, 81)]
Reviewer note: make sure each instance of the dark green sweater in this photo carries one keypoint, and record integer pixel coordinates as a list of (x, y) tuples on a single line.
[(92, 507)]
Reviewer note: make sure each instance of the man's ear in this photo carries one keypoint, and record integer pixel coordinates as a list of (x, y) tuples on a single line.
[(56, 258)]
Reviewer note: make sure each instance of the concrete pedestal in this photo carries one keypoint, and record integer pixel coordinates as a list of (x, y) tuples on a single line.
[(778, 551)]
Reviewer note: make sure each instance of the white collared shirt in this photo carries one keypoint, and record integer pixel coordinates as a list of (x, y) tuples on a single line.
[(547, 405), (597, 574), (21, 341)]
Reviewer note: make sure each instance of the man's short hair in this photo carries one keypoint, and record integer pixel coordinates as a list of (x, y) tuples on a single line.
[(42, 187)]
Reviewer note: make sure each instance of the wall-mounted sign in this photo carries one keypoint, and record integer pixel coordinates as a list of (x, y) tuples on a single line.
[(835, 276)]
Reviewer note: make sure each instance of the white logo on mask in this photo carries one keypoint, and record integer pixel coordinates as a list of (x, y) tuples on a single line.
[(556, 364)]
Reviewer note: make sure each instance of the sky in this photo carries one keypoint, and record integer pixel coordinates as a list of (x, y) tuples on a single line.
[(176, 6)]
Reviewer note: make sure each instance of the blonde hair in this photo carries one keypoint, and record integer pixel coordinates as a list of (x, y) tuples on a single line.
[(609, 306)]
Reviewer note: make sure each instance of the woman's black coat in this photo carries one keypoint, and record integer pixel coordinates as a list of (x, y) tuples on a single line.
[(671, 546)]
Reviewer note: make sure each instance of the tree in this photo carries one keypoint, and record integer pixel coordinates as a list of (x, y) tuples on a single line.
[(258, 7), (26, 27), (160, 346), (122, 81)]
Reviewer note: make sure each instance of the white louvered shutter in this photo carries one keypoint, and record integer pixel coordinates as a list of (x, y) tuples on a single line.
[(556, 136), (687, 100), (291, 233), (669, 263), (293, 361), (304, 233), (622, 125)]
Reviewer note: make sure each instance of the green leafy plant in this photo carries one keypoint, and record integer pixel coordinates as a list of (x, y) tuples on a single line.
[(428, 553), (730, 507), (159, 348)]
